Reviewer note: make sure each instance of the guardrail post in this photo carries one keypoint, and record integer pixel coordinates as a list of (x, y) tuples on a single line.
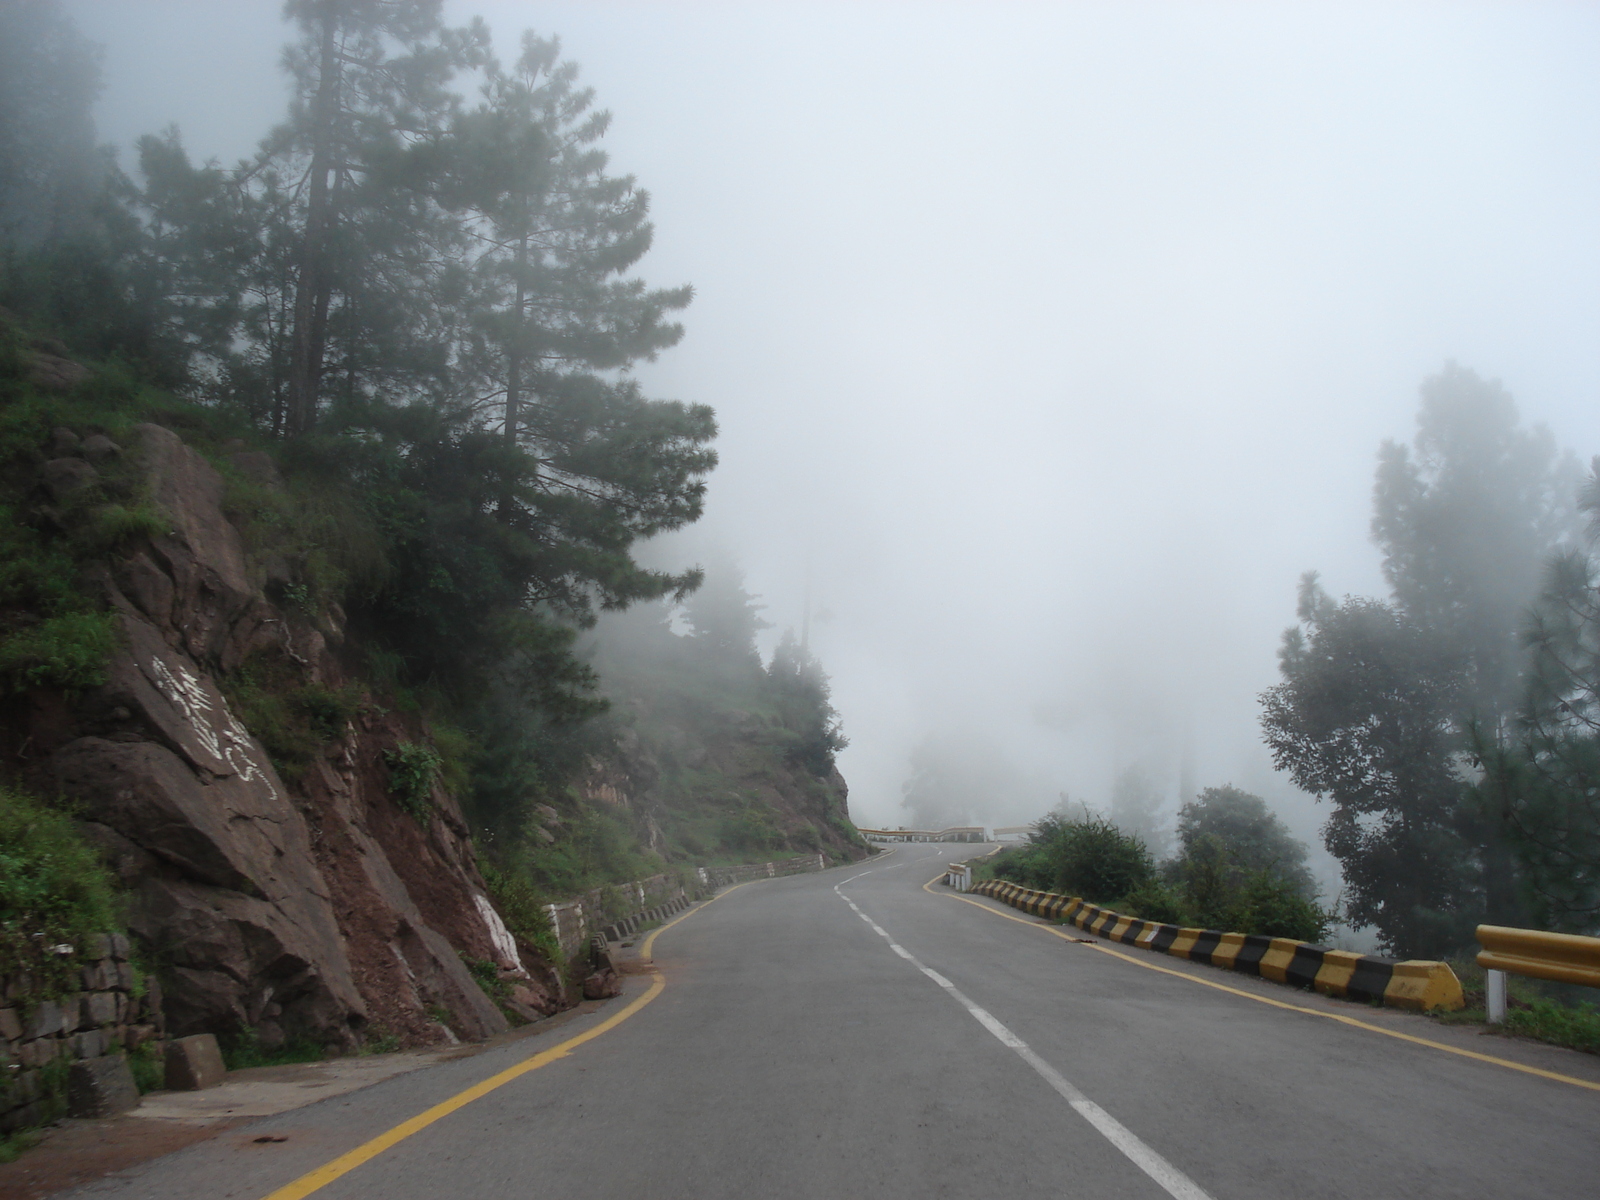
[(1494, 995)]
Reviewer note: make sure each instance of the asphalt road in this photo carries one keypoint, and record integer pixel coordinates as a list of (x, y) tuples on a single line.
[(853, 1033)]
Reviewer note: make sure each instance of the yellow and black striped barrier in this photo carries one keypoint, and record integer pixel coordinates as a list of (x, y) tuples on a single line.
[(1415, 984)]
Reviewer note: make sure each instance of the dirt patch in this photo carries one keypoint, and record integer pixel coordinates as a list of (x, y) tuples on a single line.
[(73, 1153)]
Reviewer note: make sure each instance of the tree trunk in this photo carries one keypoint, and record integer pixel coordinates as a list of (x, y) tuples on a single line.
[(514, 376), (312, 287)]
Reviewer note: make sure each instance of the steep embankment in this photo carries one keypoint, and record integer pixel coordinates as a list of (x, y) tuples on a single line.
[(718, 758), (320, 911)]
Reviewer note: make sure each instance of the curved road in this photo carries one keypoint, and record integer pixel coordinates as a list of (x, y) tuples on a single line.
[(856, 1033)]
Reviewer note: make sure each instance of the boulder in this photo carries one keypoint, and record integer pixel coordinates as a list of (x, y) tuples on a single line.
[(56, 374), (63, 477), (194, 1063), (101, 1087), (97, 447)]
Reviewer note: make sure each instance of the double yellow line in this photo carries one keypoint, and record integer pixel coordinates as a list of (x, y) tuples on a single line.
[(367, 1151)]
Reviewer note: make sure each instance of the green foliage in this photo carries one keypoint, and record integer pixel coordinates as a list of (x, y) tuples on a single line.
[(522, 909), (800, 690), (379, 1040), (293, 720), (54, 892), (1086, 856), (1576, 1028), (68, 652), (13, 1145), (1251, 835), (243, 1049), (1155, 900), (1548, 783), (1364, 716), (413, 774), (1381, 701), (149, 1067), (1272, 906)]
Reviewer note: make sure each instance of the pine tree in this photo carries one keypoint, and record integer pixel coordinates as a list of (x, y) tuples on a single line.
[(371, 102)]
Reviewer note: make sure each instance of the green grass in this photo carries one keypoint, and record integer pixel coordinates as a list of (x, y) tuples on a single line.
[(244, 1049), (12, 1146), (292, 719), (1560, 1014)]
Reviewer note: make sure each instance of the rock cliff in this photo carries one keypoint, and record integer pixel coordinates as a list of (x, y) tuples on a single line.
[(316, 911)]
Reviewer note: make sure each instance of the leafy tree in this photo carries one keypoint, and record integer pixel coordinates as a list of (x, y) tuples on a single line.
[(1365, 717), (1136, 808), (1466, 521), (1383, 705), (51, 170), (1252, 837), (1549, 781)]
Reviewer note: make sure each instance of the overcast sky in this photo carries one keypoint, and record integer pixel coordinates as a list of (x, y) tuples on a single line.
[(1057, 338)]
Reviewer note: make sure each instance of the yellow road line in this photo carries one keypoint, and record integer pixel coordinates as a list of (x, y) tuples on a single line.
[(1222, 987), (345, 1163)]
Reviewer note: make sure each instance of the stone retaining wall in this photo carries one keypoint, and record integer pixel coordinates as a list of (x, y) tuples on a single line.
[(116, 1010)]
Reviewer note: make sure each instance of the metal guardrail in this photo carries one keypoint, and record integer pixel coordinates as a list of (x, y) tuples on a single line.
[(958, 833), (1560, 957), (958, 876)]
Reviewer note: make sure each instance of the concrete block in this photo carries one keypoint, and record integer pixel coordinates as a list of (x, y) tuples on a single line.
[(97, 946), (22, 1118), (10, 1024), (119, 945), (194, 1063), (124, 978), (138, 1035), (101, 1087), (102, 1008), (90, 1044), (46, 1020)]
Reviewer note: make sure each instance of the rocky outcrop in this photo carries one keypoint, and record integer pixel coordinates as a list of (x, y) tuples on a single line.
[(314, 911)]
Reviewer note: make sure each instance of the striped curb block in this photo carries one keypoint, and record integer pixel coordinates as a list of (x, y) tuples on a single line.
[(629, 926), (1416, 984)]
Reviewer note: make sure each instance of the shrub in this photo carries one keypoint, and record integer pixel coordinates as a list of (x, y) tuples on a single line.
[(1273, 905), (54, 893), (1154, 900), (1087, 856), (413, 770), (68, 651), (292, 720)]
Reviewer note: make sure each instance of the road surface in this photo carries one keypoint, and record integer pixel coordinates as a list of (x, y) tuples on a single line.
[(855, 1033)]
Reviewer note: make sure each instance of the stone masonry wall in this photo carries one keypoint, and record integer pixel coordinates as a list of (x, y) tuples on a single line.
[(116, 1010)]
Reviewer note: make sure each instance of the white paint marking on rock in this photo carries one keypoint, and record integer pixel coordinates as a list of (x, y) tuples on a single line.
[(1173, 1181)]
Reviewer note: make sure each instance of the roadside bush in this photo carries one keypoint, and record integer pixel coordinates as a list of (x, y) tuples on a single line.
[(1084, 856), (1154, 900), (1271, 905), (54, 893), (522, 909)]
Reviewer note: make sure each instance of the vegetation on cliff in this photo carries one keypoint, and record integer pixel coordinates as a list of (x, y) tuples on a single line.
[(403, 333)]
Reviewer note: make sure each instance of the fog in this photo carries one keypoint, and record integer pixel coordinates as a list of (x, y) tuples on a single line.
[(1050, 343)]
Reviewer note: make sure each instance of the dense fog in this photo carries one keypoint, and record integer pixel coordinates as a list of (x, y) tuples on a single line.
[(1050, 344)]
